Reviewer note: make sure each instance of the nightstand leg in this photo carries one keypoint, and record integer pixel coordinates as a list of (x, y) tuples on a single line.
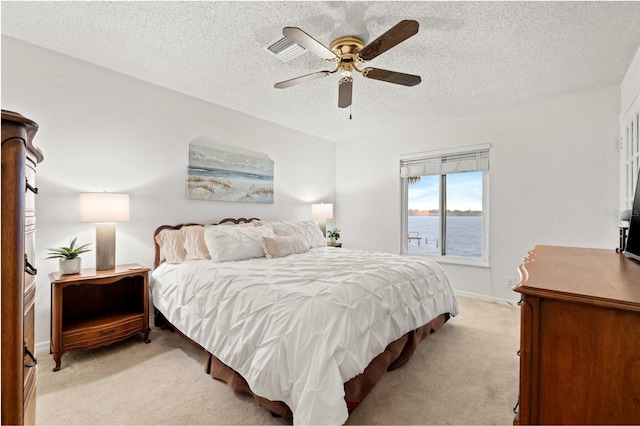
[(146, 335)]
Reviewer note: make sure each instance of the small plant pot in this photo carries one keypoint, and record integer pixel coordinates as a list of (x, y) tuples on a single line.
[(70, 266)]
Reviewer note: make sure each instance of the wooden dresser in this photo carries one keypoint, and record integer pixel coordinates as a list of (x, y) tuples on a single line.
[(580, 337), (17, 274)]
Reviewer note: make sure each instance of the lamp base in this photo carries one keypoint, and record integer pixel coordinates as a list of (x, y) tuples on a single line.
[(105, 246), (323, 226)]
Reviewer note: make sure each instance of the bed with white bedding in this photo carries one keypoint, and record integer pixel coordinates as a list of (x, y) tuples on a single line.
[(298, 329)]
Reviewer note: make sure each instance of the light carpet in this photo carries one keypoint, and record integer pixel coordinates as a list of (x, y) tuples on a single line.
[(466, 373)]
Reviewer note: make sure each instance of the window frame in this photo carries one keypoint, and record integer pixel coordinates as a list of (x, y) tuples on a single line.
[(404, 207)]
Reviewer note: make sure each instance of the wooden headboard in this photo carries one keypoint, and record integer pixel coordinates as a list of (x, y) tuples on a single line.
[(158, 260)]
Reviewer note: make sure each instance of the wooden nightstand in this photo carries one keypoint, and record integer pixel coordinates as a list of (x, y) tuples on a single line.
[(96, 308)]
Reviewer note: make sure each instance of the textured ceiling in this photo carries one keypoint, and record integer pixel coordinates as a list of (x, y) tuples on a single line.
[(472, 56)]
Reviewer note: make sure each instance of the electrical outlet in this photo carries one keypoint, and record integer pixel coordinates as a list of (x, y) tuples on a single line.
[(511, 282)]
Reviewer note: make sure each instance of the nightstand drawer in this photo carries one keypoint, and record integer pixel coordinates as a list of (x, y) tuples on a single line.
[(95, 336)]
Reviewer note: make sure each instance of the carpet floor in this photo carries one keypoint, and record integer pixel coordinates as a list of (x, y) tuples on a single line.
[(466, 373)]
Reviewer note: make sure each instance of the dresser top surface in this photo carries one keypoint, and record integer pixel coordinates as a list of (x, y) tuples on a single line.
[(597, 275)]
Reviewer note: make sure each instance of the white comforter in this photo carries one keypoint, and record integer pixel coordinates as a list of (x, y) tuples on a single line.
[(297, 328)]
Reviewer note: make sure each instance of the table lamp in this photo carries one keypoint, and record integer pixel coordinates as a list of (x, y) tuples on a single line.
[(104, 208), (322, 212)]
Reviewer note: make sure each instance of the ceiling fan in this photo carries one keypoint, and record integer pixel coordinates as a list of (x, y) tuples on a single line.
[(349, 51)]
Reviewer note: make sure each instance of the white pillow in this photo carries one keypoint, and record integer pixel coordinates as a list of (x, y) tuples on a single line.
[(194, 242), (240, 225), (260, 222), (309, 229), (171, 242), (275, 247), (229, 243)]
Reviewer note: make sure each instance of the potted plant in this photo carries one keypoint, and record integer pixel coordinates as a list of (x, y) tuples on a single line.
[(334, 235), (69, 261)]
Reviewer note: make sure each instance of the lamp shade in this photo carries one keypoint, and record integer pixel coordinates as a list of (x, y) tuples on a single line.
[(322, 211), (104, 207)]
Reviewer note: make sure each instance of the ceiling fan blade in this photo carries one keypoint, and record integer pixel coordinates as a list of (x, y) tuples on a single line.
[(308, 42), (301, 79), (345, 90), (391, 76), (394, 36)]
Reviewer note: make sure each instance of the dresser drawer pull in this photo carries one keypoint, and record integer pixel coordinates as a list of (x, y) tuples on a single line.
[(31, 188), (28, 268), (27, 353), (106, 332)]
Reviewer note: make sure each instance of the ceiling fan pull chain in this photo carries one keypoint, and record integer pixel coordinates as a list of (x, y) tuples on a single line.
[(350, 112)]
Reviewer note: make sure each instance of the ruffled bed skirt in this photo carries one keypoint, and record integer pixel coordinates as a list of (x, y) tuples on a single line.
[(356, 389)]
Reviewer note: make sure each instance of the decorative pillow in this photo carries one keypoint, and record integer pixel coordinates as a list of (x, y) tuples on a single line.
[(309, 229), (229, 243), (171, 242), (194, 243), (266, 222), (275, 247)]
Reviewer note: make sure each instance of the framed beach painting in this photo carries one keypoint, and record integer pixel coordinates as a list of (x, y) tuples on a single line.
[(220, 175)]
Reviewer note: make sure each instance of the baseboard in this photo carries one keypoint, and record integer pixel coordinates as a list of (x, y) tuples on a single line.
[(512, 302), (43, 346)]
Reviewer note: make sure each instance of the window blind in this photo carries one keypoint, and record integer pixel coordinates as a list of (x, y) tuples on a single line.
[(456, 162)]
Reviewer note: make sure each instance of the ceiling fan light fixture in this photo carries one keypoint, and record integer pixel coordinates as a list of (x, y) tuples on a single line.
[(346, 68)]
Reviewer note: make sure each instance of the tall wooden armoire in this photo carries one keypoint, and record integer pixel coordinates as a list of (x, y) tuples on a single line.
[(18, 273)]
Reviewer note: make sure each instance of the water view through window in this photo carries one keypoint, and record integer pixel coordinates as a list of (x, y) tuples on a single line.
[(463, 204)]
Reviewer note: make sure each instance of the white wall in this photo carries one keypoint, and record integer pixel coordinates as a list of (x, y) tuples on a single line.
[(553, 180), (630, 84), (100, 130)]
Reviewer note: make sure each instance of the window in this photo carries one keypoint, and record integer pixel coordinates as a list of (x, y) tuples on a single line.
[(444, 203)]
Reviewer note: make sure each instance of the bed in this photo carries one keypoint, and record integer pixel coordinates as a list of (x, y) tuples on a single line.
[(307, 329)]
